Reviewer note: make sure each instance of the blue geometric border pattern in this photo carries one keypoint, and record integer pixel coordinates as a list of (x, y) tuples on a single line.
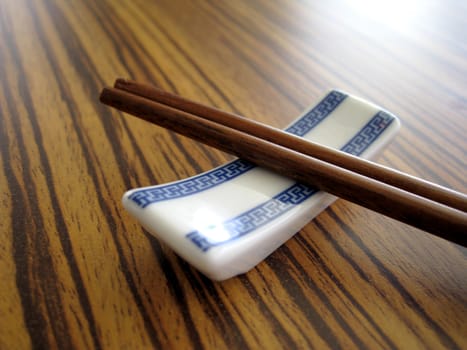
[(215, 177), (368, 134), (317, 114), (286, 200), (253, 218), (192, 185)]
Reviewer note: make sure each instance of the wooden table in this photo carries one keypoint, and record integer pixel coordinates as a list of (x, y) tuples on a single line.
[(78, 272)]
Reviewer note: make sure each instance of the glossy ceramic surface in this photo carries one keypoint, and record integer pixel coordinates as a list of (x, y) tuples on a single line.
[(227, 220)]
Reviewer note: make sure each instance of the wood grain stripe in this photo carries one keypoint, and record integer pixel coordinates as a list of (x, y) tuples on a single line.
[(177, 291), (62, 28), (116, 30), (394, 281), (191, 62), (126, 269), (34, 281), (285, 338), (358, 307), (167, 81)]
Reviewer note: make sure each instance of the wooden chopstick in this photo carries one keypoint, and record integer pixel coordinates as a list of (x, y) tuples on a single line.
[(415, 210), (359, 165)]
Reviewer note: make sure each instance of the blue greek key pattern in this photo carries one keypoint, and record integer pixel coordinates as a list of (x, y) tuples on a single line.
[(191, 185), (286, 200), (317, 114), (368, 134), (207, 180), (252, 219)]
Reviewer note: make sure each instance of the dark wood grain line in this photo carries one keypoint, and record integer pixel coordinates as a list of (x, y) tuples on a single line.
[(235, 49), (239, 313), (325, 300), (214, 307), (428, 132), (213, 304), (168, 157), (82, 60), (442, 176), (206, 151), (302, 57), (208, 154), (125, 35), (213, 158), (35, 321), (289, 282), (186, 153), (85, 66), (176, 291), (420, 156), (316, 256), (113, 33), (273, 13), (64, 237), (434, 56), (161, 334), (410, 300), (284, 54), (284, 310), (416, 156), (360, 271), (81, 328), (192, 63), (150, 328), (422, 131), (285, 339), (162, 47), (119, 33), (450, 132), (38, 280)]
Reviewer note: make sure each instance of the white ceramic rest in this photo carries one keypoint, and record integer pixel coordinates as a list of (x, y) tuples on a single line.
[(227, 220)]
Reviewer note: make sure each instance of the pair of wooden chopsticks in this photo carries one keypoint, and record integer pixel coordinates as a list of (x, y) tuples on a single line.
[(416, 202)]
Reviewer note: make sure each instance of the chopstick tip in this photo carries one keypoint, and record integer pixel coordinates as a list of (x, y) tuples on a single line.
[(105, 93), (119, 82)]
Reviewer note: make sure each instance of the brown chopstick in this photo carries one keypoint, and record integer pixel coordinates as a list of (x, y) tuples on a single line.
[(362, 166), (415, 210)]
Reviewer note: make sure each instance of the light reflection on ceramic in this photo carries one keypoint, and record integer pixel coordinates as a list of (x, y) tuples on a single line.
[(227, 220)]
